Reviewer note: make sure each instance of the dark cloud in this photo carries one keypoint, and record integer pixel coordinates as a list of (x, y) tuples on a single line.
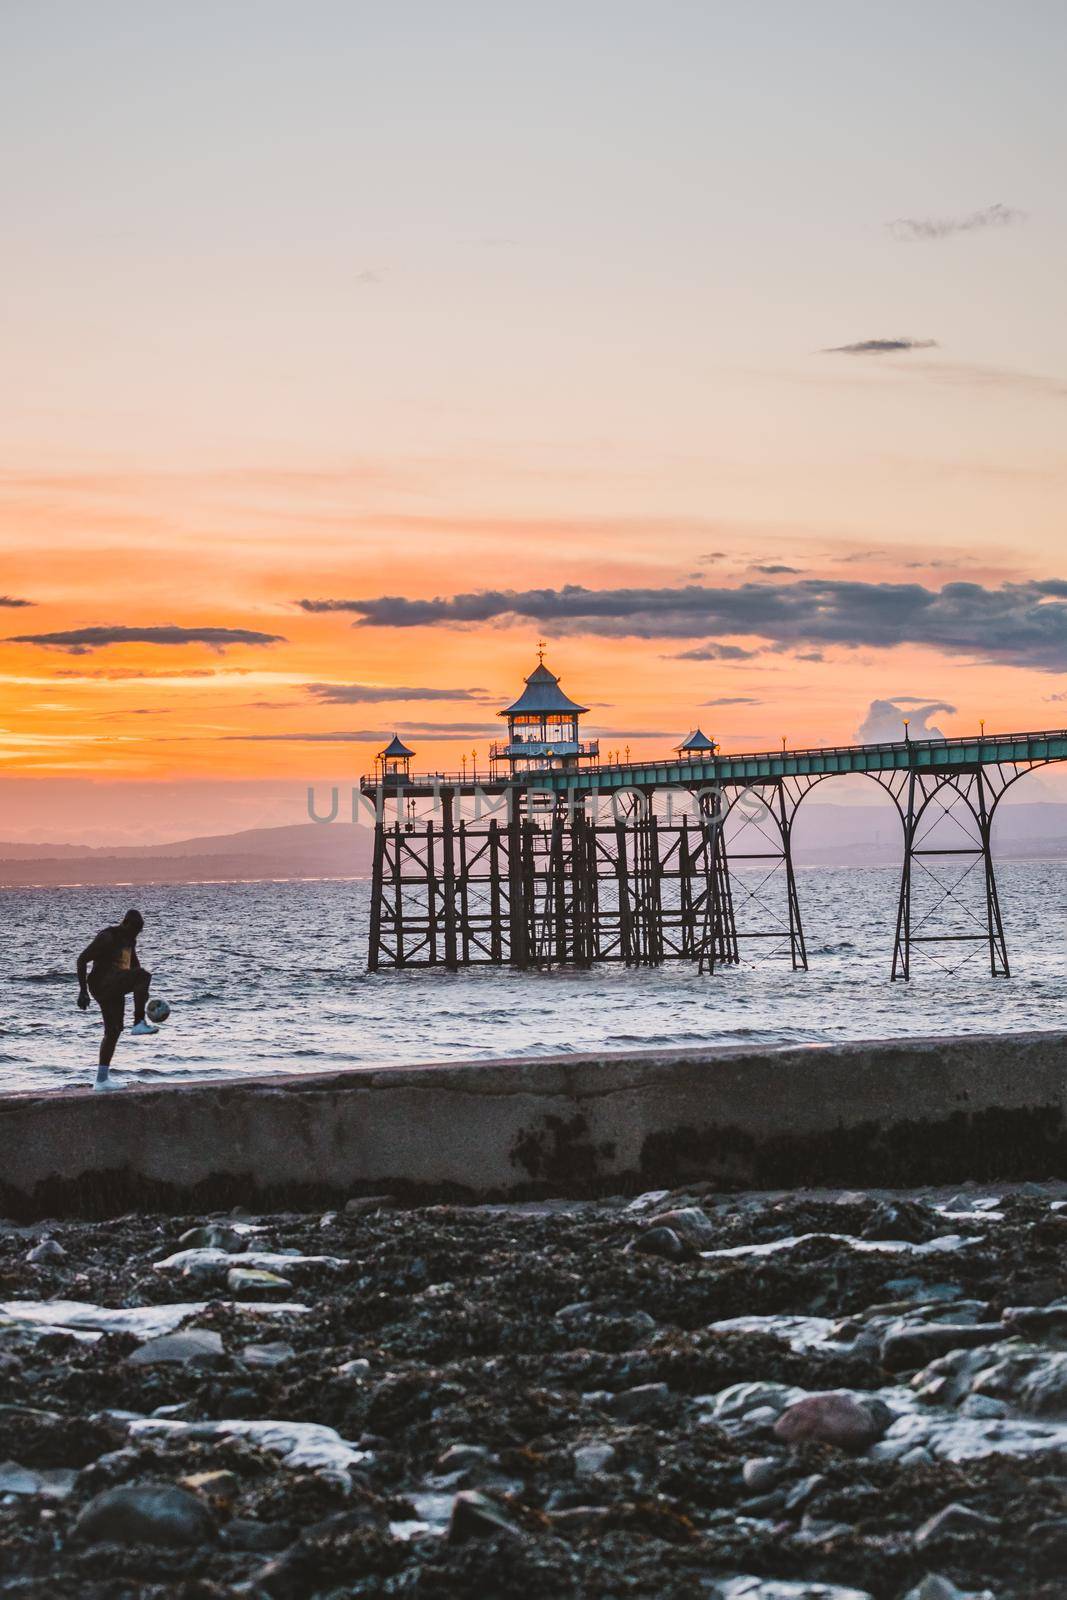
[(912, 230), (79, 641), (733, 700), (810, 655), (774, 569), (12, 601), (884, 722), (1018, 624), (715, 652), (712, 555), (357, 694), (879, 347), (426, 730)]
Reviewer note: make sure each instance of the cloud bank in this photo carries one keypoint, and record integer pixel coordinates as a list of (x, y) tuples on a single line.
[(912, 230), (358, 694), (79, 641), (12, 601), (884, 722), (1020, 624)]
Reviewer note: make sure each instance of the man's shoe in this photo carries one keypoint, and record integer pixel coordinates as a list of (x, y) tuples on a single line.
[(105, 1085), (139, 1029)]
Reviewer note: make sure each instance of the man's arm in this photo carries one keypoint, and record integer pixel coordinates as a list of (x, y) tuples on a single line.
[(93, 950)]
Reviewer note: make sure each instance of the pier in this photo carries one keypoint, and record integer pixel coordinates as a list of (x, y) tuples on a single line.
[(554, 857)]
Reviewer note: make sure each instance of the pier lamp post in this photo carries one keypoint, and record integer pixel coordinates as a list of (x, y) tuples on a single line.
[(783, 744), (981, 727), (907, 735), (463, 759), (627, 755), (474, 765)]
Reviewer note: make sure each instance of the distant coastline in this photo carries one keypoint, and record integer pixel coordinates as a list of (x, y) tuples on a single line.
[(826, 836)]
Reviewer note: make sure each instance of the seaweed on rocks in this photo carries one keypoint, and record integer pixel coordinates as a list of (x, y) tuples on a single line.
[(516, 1400)]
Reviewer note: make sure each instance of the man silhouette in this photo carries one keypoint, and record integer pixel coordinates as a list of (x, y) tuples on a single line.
[(116, 972)]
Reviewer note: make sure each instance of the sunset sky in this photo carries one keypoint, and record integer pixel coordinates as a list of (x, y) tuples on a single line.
[(348, 349)]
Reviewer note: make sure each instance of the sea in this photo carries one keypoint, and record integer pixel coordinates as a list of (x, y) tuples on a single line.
[(271, 978)]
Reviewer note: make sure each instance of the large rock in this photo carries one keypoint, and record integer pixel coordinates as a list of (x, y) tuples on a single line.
[(907, 1349), (196, 1347), (835, 1418), (146, 1513)]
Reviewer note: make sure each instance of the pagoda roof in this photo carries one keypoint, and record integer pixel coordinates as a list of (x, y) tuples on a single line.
[(396, 748), (698, 740), (541, 694)]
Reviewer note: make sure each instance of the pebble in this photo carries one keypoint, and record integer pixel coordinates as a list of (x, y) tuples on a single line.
[(200, 1347), (216, 1485), (214, 1236), (803, 1490), (589, 1459), (251, 1280), (47, 1250), (834, 1418), (640, 1402), (267, 1355), (954, 1519), (691, 1224), (146, 1513), (458, 1456), (475, 1516), (361, 1205), (244, 1533), (761, 1473), (359, 1368), (664, 1242), (908, 1349)]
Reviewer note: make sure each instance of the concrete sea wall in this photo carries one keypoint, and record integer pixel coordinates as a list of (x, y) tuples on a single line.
[(879, 1113)]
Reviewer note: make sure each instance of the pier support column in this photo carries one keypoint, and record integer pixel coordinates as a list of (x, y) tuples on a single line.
[(947, 838)]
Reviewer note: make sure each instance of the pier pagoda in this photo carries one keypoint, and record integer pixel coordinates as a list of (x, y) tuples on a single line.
[(543, 731)]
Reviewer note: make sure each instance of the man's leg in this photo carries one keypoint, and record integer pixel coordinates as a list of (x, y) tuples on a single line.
[(139, 983), (112, 1002), (139, 990)]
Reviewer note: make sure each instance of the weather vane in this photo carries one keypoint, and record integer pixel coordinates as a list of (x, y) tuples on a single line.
[(541, 647)]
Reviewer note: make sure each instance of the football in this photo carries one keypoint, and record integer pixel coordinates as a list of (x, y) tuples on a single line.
[(157, 1011)]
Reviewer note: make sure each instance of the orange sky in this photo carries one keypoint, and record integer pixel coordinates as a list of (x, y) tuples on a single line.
[(347, 313)]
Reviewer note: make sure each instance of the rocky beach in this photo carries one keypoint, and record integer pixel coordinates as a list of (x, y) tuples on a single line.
[(812, 1395)]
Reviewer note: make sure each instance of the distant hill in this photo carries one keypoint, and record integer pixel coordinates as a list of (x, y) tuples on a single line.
[(303, 850), (826, 835)]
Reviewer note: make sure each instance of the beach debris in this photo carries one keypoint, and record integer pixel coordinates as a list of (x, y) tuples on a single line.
[(146, 1513), (835, 1418)]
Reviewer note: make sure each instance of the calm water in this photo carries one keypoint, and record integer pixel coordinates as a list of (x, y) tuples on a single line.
[(269, 977)]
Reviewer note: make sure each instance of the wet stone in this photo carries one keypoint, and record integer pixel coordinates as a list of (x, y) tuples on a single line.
[(198, 1347), (646, 1400), (267, 1355), (243, 1533), (589, 1459), (952, 1522), (666, 1243), (761, 1473), (690, 1224), (365, 1204), (146, 1514), (48, 1251)]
